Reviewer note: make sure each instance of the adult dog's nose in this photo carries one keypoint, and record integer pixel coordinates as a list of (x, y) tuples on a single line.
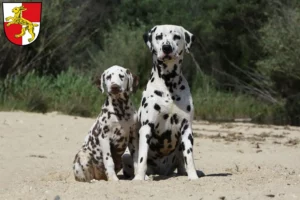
[(167, 48), (115, 88)]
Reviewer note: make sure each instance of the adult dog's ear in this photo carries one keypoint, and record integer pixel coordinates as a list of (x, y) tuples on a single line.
[(99, 82), (189, 38), (148, 38), (133, 81)]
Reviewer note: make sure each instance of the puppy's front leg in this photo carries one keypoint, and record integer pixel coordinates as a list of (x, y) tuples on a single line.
[(107, 157), (144, 134), (187, 150)]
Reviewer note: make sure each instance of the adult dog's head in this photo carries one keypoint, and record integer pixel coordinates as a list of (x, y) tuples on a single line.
[(117, 80), (168, 42)]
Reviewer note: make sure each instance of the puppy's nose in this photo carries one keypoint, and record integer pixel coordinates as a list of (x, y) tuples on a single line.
[(115, 88), (167, 48)]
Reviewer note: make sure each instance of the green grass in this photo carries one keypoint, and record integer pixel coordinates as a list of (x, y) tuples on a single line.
[(73, 93), (69, 93)]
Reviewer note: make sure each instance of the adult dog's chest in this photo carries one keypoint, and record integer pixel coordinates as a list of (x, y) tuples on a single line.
[(164, 112)]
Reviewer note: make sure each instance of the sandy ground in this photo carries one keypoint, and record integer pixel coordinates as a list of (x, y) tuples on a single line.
[(241, 161)]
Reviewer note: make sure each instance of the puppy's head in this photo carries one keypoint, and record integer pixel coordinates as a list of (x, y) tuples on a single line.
[(168, 41), (117, 80)]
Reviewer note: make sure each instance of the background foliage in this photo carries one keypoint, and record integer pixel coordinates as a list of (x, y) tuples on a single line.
[(244, 62)]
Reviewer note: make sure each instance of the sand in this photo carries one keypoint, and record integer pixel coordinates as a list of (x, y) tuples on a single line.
[(240, 161)]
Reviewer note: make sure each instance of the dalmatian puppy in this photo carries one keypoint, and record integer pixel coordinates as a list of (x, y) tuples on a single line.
[(166, 111), (100, 156)]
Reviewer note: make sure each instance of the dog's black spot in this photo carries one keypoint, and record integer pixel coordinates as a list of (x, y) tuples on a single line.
[(158, 93), (105, 129), (121, 77), (97, 141), (145, 105), (159, 71), (180, 61), (159, 37), (106, 102), (180, 52), (174, 85), (182, 146), (108, 77), (185, 160), (146, 122), (175, 117), (157, 107), (143, 101), (180, 80), (176, 37), (152, 79), (157, 125), (166, 116), (164, 65), (182, 87), (184, 128), (188, 108), (191, 139), (141, 160)]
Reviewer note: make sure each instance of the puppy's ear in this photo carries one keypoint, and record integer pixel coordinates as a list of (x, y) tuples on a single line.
[(133, 81), (148, 38), (99, 82), (189, 38)]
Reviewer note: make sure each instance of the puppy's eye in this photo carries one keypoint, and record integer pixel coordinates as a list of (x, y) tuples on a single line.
[(108, 77), (159, 37), (176, 37)]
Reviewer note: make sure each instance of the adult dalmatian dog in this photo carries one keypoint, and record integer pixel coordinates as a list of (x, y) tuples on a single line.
[(100, 156), (166, 111)]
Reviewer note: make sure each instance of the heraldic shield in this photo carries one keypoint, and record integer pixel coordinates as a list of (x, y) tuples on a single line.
[(22, 22)]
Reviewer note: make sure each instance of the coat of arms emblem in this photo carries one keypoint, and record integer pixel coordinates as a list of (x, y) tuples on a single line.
[(22, 21)]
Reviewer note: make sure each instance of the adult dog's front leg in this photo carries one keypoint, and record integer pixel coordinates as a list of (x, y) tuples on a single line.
[(187, 149), (107, 159), (133, 146), (144, 134)]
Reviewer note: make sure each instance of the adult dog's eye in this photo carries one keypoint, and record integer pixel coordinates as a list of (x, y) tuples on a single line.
[(121, 76), (176, 37), (159, 37)]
